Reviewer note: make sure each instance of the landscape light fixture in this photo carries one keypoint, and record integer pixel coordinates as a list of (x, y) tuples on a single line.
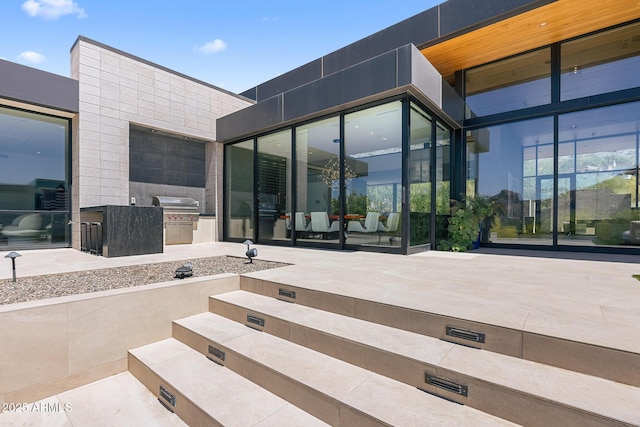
[(184, 271), (13, 256), (251, 253)]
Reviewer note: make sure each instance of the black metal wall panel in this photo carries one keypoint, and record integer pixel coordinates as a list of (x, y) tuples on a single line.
[(250, 120), (417, 29), (294, 78), (366, 79), (251, 93), (32, 86)]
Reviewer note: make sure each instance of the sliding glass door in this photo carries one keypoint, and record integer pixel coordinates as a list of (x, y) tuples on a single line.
[(316, 220)]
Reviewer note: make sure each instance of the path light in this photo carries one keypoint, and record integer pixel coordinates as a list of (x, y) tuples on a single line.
[(251, 253), (13, 256), (184, 271)]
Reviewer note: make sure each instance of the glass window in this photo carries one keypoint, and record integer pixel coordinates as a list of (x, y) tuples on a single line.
[(511, 84), (239, 191), (274, 186), (34, 188), (443, 179), (599, 204), (318, 182), (589, 63), (513, 164), (373, 174), (420, 144)]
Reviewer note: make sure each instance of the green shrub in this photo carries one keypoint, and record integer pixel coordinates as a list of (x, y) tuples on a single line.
[(463, 231)]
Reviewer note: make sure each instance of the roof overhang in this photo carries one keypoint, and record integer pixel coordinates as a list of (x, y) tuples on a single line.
[(544, 25)]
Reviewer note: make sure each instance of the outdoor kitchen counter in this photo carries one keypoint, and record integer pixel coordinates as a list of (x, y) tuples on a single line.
[(127, 230)]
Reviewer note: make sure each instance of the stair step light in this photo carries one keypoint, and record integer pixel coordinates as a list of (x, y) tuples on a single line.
[(218, 355), (168, 397), (465, 334), (450, 386), (255, 320), (287, 293)]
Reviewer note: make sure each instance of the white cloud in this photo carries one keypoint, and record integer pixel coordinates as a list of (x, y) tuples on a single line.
[(52, 9), (212, 47), (31, 57)]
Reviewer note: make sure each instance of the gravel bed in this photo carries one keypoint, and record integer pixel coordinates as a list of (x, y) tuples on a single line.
[(33, 288)]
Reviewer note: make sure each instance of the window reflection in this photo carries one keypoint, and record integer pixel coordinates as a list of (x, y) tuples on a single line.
[(373, 146), (274, 186), (420, 144), (511, 84), (318, 182), (513, 164), (589, 63), (34, 190), (239, 191), (600, 206)]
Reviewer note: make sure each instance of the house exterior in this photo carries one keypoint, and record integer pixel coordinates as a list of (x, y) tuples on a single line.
[(533, 104)]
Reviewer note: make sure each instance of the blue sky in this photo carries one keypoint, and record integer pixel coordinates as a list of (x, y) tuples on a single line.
[(232, 44)]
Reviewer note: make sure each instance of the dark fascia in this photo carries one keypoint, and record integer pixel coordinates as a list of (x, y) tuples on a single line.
[(36, 87), (399, 71), (160, 67), (443, 22)]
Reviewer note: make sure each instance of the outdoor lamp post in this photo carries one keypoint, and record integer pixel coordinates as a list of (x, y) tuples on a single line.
[(13, 256), (251, 253)]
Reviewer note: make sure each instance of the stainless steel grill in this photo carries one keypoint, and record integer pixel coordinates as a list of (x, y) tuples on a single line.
[(180, 218)]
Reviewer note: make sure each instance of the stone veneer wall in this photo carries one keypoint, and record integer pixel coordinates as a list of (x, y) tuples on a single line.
[(116, 90)]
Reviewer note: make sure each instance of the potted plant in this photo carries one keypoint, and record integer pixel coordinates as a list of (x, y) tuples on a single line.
[(469, 221), (484, 209)]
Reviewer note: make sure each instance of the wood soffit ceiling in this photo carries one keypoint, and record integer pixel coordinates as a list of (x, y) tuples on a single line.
[(548, 24)]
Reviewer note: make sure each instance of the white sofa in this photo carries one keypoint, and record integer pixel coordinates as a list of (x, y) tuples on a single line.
[(27, 225)]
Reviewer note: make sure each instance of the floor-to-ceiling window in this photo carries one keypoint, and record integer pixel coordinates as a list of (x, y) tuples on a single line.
[(274, 186), (563, 173), (239, 191), (345, 188), (373, 175), (316, 218), (514, 165), (442, 181), (34, 180), (420, 145), (599, 201)]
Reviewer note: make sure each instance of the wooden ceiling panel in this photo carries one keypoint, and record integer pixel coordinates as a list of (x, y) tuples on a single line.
[(548, 24)]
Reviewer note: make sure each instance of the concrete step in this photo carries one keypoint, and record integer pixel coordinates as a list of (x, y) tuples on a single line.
[(511, 388), (203, 393), (607, 347), (336, 392)]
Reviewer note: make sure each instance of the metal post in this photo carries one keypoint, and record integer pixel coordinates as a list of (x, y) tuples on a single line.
[(13, 267), (13, 256)]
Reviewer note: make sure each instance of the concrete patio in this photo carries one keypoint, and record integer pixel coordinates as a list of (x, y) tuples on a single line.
[(576, 312)]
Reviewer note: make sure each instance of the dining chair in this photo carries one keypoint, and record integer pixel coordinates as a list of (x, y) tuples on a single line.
[(390, 228), (320, 223), (287, 220), (301, 222), (392, 223), (370, 224)]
